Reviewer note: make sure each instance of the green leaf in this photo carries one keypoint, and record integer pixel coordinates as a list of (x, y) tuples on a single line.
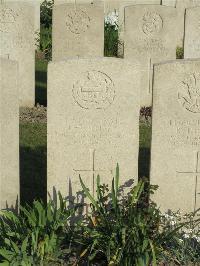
[(86, 191), (6, 254), (153, 254)]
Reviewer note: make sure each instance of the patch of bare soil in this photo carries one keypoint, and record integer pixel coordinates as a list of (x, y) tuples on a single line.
[(36, 114)]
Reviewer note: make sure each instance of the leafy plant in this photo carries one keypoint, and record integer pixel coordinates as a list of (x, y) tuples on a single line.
[(45, 42), (121, 230), (46, 13), (179, 53), (35, 235)]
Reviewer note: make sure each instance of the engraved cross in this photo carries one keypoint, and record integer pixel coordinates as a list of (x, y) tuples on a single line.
[(92, 170), (196, 175)]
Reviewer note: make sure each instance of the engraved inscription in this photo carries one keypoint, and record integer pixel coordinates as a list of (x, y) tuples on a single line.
[(196, 175), (151, 46), (95, 90), (152, 23), (189, 96), (7, 18), (183, 132), (77, 21), (90, 132)]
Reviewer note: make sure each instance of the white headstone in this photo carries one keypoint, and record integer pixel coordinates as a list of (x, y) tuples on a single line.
[(175, 148), (169, 3), (92, 122), (78, 30), (9, 135), (17, 42), (181, 6), (149, 31), (192, 33)]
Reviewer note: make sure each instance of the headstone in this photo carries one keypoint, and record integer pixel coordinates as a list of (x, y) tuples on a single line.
[(92, 122), (175, 148), (169, 3), (149, 31), (78, 30), (121, 20), (192, 33), (36, 5), (112, 5), (17, 42), (59, 2), (181, 6), (9, 121)]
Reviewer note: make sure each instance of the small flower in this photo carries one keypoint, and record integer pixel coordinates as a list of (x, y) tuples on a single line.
[(112, 19)]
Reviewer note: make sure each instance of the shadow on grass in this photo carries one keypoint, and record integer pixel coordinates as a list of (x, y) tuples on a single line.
[(41, 88), (144, 162), (33, 174)]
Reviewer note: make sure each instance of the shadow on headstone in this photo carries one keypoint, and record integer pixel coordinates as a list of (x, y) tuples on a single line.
[(144, 163), (33, 174), (41, 90)]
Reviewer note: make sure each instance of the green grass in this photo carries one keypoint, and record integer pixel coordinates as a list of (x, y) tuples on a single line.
[(41, 82)]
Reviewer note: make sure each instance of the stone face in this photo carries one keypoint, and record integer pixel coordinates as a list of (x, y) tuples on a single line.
[(93, 114), (59, 2), (169, 3), (17, 42), (9, 135), (175, 149), (118, 5), (192, 33), (181, 6), (36, 5), (78, 30), (149, 31)]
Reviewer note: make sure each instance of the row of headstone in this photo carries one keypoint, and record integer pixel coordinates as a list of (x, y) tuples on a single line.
[(93, 124), (81, 33), (147, 32), (94, 103)]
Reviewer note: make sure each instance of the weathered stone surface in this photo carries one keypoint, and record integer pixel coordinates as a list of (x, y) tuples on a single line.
[(181, 6), (9, 120), (175, 149), (192, 33), (169, 3), (93, 112), (36, 5), (78, 30), (17, 42), (59, 2), (118, 5), (149, 31)]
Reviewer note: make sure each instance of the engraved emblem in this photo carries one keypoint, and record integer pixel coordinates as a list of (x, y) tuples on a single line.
[(77, 21), (7, 17), (95, 90), (152, 23), (189, 97)]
